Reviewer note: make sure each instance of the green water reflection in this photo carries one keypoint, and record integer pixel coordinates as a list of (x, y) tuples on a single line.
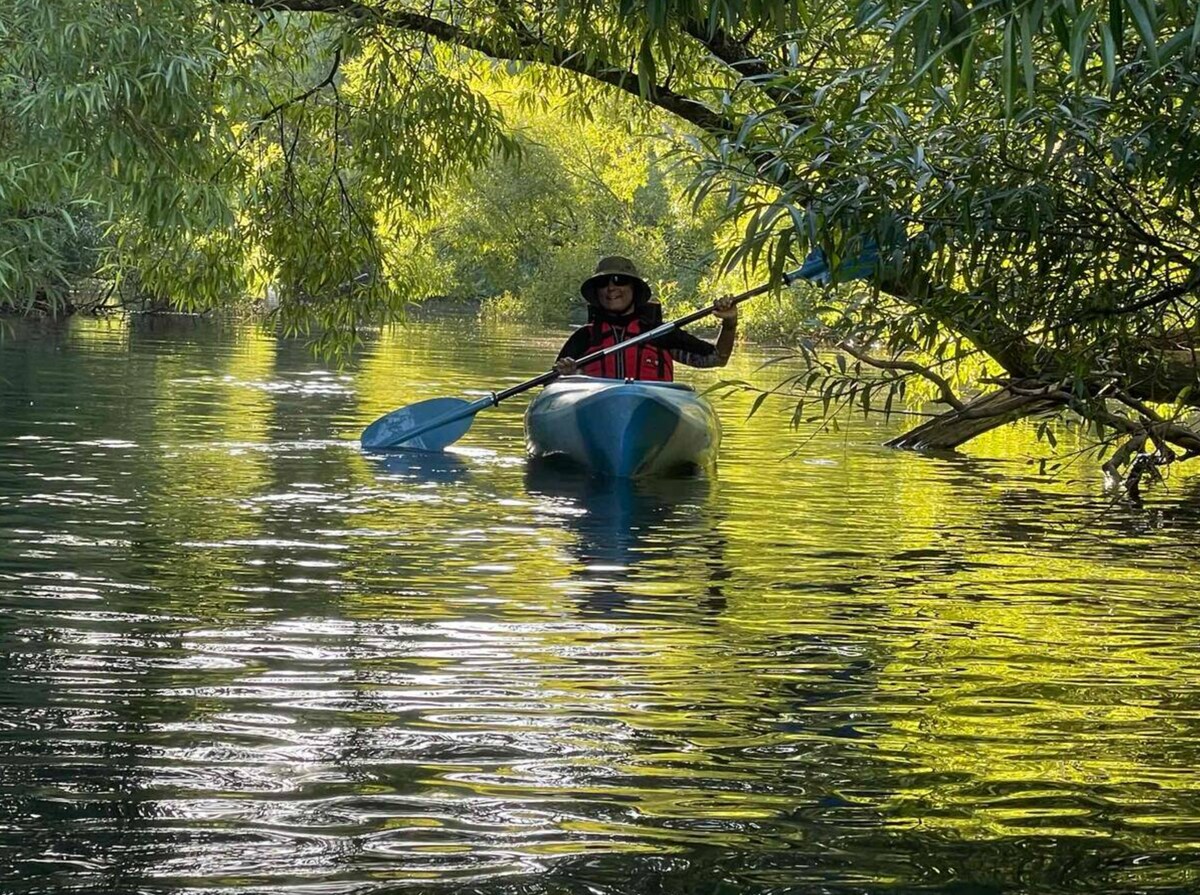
[(241, 655)]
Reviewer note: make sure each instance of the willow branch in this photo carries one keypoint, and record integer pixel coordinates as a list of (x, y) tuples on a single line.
[(524, 47), (1122, 455), (1153, 426), (948, 396), (266, 116), (750, 68)]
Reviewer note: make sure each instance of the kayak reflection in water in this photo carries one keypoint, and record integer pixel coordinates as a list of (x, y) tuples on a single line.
[(648, 548), (620, 306)]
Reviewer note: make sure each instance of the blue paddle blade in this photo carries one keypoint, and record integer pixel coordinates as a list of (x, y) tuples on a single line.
[(859, 267), (390, 431)]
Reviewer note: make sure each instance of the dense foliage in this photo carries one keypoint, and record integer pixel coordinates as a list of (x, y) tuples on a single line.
[(1026, 166), (521, 233)]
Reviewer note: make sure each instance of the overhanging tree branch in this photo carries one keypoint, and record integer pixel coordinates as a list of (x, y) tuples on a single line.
[(749, 67), (261, 120), (948, 396), (523, 47)]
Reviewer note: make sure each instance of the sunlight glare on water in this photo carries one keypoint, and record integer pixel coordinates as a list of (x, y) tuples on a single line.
[(242, 655)]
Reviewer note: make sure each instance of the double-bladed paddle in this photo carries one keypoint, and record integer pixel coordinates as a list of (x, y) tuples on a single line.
[(439, 422)]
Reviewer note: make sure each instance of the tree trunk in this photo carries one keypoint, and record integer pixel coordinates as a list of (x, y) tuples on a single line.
[(955, 427)]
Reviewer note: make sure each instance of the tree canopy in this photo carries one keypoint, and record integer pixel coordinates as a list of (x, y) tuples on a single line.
[(1026, 167)]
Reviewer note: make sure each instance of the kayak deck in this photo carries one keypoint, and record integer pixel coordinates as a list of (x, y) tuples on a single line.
[(623, 428)]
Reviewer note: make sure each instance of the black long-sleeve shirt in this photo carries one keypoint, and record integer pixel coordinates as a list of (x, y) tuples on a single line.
[(683, 347)]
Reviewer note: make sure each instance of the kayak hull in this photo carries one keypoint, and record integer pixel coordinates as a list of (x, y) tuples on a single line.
[(623, 428)]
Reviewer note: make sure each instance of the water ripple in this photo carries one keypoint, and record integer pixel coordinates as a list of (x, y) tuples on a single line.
[(242, 655)]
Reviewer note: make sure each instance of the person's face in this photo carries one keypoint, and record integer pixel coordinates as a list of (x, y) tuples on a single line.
[(615, 294)]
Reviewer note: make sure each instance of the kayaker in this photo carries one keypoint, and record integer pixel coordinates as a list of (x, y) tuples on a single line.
[(620, 306)]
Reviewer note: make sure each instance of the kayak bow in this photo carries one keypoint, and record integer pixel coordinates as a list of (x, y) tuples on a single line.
[(623, 428)]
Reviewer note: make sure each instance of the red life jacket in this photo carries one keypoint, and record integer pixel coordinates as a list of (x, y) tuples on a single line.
[(644, 361)]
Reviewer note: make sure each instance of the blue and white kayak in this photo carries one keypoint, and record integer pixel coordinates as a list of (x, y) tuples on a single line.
[(623, 428)]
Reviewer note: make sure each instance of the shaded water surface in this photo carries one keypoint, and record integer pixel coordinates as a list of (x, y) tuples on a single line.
[(240, 655)]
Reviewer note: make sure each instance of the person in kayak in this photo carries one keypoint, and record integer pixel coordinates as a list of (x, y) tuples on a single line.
[(620, 307)]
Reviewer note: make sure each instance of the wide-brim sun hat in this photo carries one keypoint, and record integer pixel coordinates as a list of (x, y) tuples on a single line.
[(615, 265)]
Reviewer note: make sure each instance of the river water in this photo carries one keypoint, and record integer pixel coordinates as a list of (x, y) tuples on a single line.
[(239, 655)]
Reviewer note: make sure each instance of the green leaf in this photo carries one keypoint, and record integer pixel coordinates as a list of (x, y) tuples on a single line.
[(1173, 46), (1008, 68), (1108, 52), (1027, 53), (1143, 21), (646, 69), (966, 74), (798, 415), (1116, 20), (1080, 42), (1062, 30)]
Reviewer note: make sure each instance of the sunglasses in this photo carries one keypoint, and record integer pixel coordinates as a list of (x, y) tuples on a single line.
[(617, 279)]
